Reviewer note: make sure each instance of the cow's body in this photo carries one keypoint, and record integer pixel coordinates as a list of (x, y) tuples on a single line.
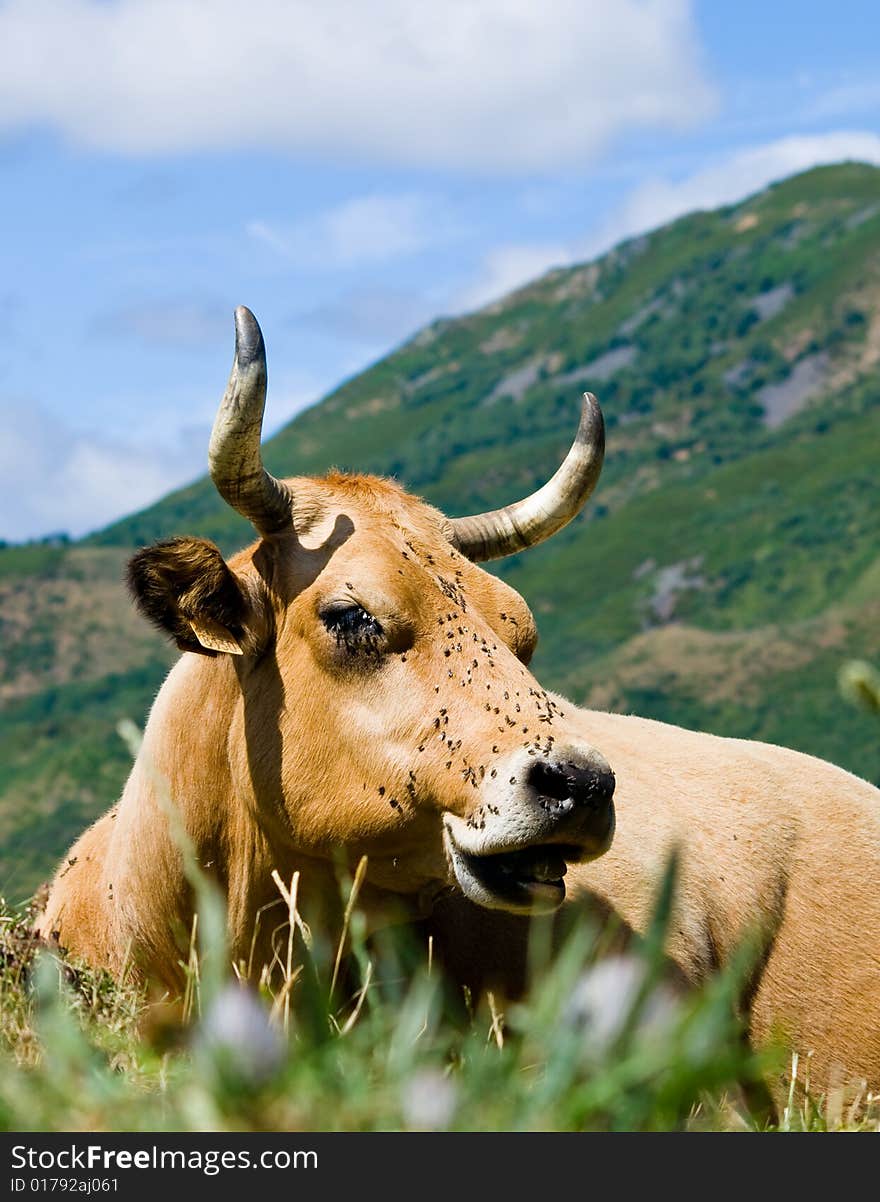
[(774, 844), (355, 685)]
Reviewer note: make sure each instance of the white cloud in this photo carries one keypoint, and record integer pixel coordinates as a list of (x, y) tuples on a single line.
[(54, 478), (731, 178), (365, 229), (371, 316), (187, 323), (847, 99), (506, 268), (485, 84)]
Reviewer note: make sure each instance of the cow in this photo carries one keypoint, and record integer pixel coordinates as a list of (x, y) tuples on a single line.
[(354, 685), (352, 680)]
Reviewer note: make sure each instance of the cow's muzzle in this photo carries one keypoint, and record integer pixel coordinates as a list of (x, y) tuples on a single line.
[(512, 852)]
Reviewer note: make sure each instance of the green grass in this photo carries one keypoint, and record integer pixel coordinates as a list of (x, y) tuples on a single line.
[(74, 756), (597, 1044), (392, 1050)]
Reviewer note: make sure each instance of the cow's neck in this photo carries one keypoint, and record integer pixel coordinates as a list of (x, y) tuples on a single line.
[(203, 751)]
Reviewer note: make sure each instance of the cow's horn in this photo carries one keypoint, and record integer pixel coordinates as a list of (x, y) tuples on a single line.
[(234, 452), (527, 522)]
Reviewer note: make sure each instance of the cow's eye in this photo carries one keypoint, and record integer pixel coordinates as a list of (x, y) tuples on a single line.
[(352, 626)]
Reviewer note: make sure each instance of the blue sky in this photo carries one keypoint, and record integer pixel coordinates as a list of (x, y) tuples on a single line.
[(349, 171)]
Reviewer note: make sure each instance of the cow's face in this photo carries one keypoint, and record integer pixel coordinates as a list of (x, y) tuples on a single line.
[(386, 705)]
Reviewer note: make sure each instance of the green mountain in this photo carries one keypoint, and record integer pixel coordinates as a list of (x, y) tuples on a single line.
[(726, 567)]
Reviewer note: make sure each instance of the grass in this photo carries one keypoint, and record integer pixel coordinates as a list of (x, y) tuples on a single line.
[(599, 1043), (85, 1053)]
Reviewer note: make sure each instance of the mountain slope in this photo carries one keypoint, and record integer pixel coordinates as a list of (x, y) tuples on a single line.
[(726, 567)]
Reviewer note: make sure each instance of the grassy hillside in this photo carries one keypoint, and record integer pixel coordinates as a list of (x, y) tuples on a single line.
[(726, 567)]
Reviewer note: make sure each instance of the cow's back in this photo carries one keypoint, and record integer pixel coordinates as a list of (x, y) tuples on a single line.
[(773, 843)]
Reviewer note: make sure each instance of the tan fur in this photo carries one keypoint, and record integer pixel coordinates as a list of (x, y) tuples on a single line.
[(286, 756), (775, 845), (282, 757)]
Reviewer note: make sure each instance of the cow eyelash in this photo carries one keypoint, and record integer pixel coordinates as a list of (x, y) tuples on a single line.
[(352, 626)]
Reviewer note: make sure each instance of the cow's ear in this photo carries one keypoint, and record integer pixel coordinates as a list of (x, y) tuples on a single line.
[(186, 588)]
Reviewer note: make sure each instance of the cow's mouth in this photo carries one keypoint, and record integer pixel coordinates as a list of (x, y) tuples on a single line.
[(528, 879)]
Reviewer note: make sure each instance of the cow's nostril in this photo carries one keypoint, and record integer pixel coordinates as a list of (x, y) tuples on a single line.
[(574, 781), (550, 781)]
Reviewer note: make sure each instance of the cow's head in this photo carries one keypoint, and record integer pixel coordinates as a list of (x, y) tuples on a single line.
[(385, 701)]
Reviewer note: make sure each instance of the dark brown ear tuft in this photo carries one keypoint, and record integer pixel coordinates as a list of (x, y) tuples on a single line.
[(183, 580)]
